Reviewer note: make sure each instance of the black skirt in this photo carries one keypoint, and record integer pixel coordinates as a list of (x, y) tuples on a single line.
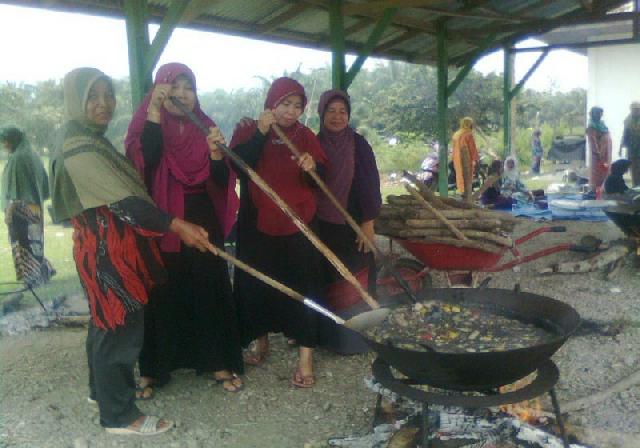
[(191, 321), (293, 261)]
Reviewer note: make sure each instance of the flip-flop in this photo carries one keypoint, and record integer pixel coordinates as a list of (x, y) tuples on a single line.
[(301, 381), (233, 376), (149, 427)]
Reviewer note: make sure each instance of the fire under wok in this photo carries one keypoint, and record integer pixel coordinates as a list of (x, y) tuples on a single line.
[(484, 370)]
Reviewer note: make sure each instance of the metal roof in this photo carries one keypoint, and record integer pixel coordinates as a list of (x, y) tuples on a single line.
[(410, 37)]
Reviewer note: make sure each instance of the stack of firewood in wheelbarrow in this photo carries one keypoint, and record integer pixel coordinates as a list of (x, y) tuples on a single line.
[(423, 215)]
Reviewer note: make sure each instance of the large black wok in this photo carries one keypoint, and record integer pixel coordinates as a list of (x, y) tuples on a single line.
[(627, 218), (486, 370)]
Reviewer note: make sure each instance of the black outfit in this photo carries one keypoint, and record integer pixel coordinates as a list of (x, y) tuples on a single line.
[(190, 322), (112, 353), (290, 259)]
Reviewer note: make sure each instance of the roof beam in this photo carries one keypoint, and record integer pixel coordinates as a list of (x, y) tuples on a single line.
[(403, 21), (173, 16), (376, 7), (407, 35), (358, 26), (461, 13), (290, 13), (373, 39)]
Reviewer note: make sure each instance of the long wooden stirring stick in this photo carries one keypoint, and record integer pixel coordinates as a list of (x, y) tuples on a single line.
[(274, 283), (333, 259)]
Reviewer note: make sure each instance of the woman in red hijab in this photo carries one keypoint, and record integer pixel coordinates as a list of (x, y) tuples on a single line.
[(268, 239), (190, 322)]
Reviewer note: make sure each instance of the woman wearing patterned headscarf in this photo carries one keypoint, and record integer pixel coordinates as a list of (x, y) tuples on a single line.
[(599, 140), (465, 156), (191, 320), (352, 176), (117, 259), (25, 186), (631, 140), (268, 239)]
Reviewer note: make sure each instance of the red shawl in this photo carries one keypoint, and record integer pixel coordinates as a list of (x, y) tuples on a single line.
[(185, 160), (277, 168)]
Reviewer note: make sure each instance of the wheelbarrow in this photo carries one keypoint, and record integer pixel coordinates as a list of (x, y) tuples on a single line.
[(461, 263)]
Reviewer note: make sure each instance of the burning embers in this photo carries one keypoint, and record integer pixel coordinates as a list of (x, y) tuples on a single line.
[(451, 328), (399, 426)]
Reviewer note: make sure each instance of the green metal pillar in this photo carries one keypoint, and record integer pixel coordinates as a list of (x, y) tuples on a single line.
[(443, 72), (509, 57), (136, 17), (336, 28)]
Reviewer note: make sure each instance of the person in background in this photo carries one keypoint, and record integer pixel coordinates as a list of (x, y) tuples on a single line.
[(352, 176), (191, 321), (631, 141), (536, 151), (465, 156), (512, 186), (268, 239), (24, 188), (615, 187), (491, 197), (599, 147), (114, 225)]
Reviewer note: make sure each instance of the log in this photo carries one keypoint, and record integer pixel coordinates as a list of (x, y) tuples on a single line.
[(480, 224), (433, 210), (430, 196), (466, 243), (594, 263), (414, 211), (471, 234), (391, 212)]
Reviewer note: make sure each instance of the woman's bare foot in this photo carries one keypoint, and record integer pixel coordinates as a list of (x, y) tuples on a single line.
[(230, 381), (258, 353), (303, 376)]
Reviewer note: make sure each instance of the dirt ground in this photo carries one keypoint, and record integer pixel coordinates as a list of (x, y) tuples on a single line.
[(43, 386)]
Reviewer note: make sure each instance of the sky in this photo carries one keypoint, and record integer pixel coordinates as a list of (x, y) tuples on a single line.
[(39, 45)]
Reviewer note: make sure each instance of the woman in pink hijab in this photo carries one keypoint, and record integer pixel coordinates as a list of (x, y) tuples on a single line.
[(190, 321)]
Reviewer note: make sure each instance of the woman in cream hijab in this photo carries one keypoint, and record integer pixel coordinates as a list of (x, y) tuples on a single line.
[(117, 259)]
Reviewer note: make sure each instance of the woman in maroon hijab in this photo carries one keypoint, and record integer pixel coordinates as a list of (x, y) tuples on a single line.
[(190, 322), (353, 178), (268, 239)]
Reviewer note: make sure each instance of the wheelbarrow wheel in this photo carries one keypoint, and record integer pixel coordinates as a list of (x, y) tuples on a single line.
[(412, 271)]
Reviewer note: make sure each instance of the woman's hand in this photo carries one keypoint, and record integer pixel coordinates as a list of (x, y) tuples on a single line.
[(191, 234), (265, 120), (159, 95), (367, 229), (306, 162), (214, 138)]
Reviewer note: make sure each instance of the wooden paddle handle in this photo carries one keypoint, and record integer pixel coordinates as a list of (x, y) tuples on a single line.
[(325, 189), (345, 214), (274, 283), (436, 212)]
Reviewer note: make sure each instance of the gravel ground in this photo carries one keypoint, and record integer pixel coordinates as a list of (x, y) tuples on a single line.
[(43, 376)]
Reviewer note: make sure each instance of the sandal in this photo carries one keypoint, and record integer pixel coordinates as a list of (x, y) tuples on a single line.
[(228, 381), (150, 426), (301, 381)]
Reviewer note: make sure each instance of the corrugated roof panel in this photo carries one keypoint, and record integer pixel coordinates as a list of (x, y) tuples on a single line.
[(410, 37)]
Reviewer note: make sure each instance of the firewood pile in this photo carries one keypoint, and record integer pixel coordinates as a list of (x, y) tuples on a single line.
[(423, 215)]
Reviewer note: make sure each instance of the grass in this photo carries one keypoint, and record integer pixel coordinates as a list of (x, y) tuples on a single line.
[(57, 249)]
